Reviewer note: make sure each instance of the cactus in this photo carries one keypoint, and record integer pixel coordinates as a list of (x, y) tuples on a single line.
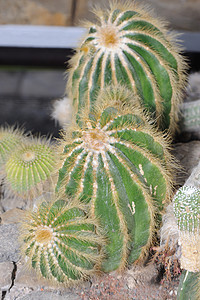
[(187, 213), (29, 168), (60, 242), (189, 286), (115, 161), (127, 45), (10, 138)]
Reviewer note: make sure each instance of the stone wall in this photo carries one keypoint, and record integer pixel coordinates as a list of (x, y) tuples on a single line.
[(181, 14)]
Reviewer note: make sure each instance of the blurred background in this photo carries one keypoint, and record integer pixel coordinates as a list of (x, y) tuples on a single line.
[(32, 74)]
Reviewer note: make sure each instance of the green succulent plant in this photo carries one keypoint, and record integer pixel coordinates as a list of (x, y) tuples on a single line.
[(29, 168), (187, 213), (10, 138), (127, 45), (116, 161), (60, 242)]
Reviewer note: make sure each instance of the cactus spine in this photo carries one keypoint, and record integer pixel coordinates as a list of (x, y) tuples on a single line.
[(29, 168), (117, 163), (61, 243), (187, 214), (129, 46)]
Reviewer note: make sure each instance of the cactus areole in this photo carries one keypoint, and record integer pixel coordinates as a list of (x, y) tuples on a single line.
[(116, 164), (128, 46)]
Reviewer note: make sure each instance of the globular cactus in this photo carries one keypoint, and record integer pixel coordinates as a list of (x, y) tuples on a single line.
[(187, 213), (115, 161), (29, 168), (10, 138), (127, 45), (60, 242)]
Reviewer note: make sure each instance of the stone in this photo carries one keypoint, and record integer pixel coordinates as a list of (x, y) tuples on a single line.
[(45, 295), (194, 178), (45, 12), (9, 244), (6, 269), (188, 154), (11, 216), (9, 203)]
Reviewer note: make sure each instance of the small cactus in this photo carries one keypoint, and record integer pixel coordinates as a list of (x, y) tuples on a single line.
[(10, 138), (29, 168), (129, 46), (115, 161), (187, 214), (60, 242)]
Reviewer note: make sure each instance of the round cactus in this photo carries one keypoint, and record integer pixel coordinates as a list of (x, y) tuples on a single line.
[(128, 46), (187, 213), (10, 138), (60, 242), (29, 168), (116, 162)]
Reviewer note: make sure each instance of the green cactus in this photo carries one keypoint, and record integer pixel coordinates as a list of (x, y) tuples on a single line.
[(187, 213), (115, 161), (29, 168), (60, 242), (189, 286), (129, 46), (10, 138)]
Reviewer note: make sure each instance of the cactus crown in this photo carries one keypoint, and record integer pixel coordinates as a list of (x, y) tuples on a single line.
[(128, 46), (29, 167), (187, 209), (115, 161), (60, 241)]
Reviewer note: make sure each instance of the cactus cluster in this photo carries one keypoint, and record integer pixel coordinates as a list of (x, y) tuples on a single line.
[(127, 45), (125, 79), (115, 161), (60, 242)]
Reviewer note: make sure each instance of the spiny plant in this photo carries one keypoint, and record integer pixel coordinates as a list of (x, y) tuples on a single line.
[(115, 161), (29, 168), (187, 213), (127, 45), (10, 138), (60, 242)]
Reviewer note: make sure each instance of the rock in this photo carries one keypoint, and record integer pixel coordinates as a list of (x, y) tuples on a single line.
[(49, 295), (6, 269), (26, 277), (9, 245), (11, 216), (194, 178), (9, 203), (189, 156)]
